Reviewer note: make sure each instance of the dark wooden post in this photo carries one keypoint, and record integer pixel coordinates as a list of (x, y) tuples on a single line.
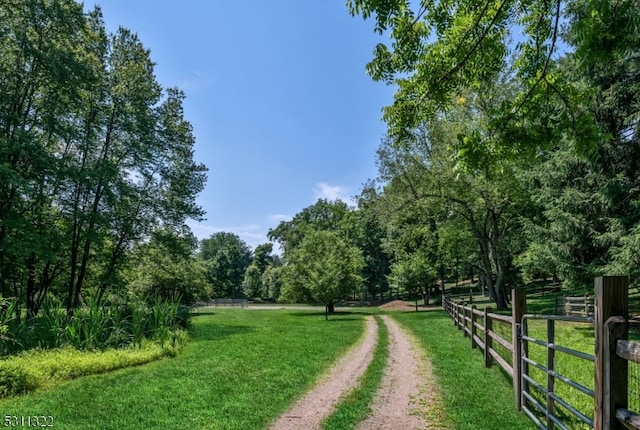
[(611, 299), (488, 340), (473, 326), (518, 309), (464, 320)]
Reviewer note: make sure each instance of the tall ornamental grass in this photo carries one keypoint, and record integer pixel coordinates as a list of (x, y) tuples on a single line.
[(94, 326)]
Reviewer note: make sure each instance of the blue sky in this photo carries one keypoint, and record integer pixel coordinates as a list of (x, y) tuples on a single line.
[(282, 109)]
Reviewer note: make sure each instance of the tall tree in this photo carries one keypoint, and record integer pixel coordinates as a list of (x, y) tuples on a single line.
[(165, 268), (50, 57), (226, 257), (423, 173), (94, 155), (253, 284), (324, 267), (365, 229), (324, 215)]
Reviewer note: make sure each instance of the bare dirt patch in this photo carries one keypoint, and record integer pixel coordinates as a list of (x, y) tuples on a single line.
[(402, 305), (398, 305), (408, 397), (320, 402)]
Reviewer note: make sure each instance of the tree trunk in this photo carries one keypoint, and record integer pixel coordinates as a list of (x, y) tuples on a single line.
[(331, 307)]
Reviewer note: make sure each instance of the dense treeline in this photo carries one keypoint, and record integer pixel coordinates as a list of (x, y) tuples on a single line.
[(96, 163), (514, 136)]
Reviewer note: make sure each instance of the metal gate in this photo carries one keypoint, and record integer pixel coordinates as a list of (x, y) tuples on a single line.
[(542, 410)]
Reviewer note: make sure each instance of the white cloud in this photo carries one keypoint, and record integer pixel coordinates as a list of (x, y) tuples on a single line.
[(331, 192)]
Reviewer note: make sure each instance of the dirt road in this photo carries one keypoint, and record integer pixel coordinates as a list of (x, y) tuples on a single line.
[(318, 403), (407, 398)]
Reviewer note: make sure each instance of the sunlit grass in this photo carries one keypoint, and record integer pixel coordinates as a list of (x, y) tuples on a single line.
[(240, 371), (473, 396)]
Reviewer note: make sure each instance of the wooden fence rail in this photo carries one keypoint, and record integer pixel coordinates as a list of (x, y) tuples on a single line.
[(575, 305), (478, 326), (613, 351), (621, 351)]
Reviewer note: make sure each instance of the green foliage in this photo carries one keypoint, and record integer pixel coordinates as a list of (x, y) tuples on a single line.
[(413, 274), (551, 114), (255, 285), (321, 216), (252, 283), (226, 258), (97, 326), (45, 369), (272, 281), (165, 268), (324, 267), (94, 154), (365, 229)]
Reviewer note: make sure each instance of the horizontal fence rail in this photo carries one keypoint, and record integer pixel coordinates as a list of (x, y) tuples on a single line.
[(242, 303), (547, 388), (481, 327), (539, 399), (622, 352), (575, 305)]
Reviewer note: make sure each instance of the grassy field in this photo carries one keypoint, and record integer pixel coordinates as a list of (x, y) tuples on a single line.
[(244, 367), (240, 370)]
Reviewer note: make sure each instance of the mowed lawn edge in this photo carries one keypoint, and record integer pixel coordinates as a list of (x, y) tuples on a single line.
[(240, 370), (474, 397)]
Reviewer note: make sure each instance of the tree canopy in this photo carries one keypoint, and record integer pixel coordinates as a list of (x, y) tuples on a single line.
[(95, 155)]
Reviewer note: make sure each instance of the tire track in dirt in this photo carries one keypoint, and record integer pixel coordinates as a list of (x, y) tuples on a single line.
[(320, 402), (408, 392)]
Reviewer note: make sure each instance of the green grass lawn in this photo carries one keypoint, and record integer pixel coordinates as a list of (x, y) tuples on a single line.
[(474, 397), (240, 370)]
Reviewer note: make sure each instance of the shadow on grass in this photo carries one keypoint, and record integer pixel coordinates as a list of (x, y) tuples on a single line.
[(203, 312), (216, 331), (337, 316)]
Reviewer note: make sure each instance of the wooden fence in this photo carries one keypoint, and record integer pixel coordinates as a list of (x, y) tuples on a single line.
[(480, 327), (618, 355), (583, 306), (612, 353)]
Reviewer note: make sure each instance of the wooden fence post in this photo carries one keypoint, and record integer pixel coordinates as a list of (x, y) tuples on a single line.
[(488, 340), (464, 321), (518, 309), (611, 299), (473, 326)]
